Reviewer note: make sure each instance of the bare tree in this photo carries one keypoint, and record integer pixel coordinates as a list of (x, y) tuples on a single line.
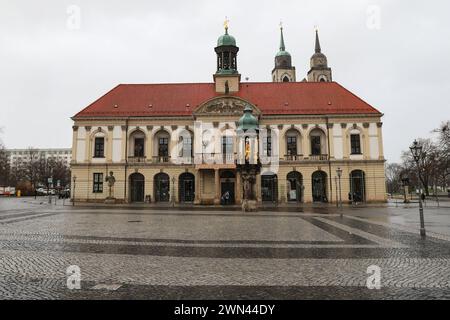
[(444, 153), (4, 166), (427, 163), (393, 177)]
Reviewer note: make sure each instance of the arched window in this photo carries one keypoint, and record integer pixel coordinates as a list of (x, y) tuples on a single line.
[(185, 149), (286, 79), (98, 141), (357, 186), (318, 145), (137, 144), (161, 146)]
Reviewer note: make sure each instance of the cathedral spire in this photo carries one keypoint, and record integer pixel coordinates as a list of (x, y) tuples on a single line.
[(283, 71), (319, 72), (282, 46), (318, 49)]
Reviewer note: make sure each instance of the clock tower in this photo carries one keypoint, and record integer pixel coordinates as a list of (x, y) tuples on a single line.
[(227, 77), (283, 71), (319, 72)]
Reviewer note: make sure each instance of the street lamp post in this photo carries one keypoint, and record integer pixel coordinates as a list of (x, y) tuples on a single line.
[(339, 174), (73, 197), (173, 191), (416, 151)]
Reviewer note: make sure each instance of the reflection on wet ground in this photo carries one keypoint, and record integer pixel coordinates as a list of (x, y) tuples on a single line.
[(175, 254)]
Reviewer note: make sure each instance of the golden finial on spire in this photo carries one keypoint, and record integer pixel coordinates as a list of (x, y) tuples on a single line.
[(225, 23)]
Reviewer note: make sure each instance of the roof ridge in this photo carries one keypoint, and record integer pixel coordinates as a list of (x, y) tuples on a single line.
[(357, 97), (97, 100)]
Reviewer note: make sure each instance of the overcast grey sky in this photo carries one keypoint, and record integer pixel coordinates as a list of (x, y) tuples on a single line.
[(398, 61)]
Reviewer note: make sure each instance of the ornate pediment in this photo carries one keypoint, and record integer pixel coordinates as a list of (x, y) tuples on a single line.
[(227, 106)]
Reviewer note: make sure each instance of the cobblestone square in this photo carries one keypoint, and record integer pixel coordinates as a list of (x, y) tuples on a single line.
[(136, 253)]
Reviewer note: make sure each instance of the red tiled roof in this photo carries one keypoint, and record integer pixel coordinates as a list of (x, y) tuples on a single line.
[(295, 98)]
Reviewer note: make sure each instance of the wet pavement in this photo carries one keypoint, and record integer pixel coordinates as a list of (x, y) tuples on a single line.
[(173, 253)]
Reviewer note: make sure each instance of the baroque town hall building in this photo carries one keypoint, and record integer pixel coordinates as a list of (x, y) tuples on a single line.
[(177, 143)]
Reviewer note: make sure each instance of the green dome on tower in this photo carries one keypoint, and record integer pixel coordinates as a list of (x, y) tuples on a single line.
[(226, 40), (283, 53), (248, 121)]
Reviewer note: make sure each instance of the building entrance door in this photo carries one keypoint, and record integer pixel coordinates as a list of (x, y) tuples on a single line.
[(269, 188), (319, 186), (137, 182), (187, 187), (162, 187), (227, 191)]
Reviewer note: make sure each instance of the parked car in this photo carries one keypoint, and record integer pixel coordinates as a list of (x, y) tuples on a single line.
[(41, 191)]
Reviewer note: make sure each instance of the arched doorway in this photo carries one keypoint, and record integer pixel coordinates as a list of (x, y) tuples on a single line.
[(227, 186), (137, 183), (186, 187), (319, 186), (269, 188), (162, 187), (357, 186), (294, 186)]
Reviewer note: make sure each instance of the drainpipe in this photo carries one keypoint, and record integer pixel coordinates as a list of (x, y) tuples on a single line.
[(126, 161), (329, 160)]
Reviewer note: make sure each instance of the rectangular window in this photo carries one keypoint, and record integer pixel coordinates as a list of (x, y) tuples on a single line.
[(163, 147), (316, 149), (139, 147), (98, 183), (99, 150), (187, 147), (227, 145), (292, 146), (355, 142), (267, 146)]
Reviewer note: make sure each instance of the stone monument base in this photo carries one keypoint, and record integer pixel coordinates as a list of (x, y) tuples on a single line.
[(110, 200), (249, 205)]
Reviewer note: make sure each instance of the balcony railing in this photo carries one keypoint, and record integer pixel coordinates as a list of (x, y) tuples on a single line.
[(217, 158), (296, 157), (183, 160), (161, 159), (318, 157), (133, 159)]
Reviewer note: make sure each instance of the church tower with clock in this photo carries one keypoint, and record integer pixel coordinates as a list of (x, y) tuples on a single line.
[(283, 71), (319, 72)]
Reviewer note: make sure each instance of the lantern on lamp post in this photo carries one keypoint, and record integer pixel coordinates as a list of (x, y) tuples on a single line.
[(417, 153)]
